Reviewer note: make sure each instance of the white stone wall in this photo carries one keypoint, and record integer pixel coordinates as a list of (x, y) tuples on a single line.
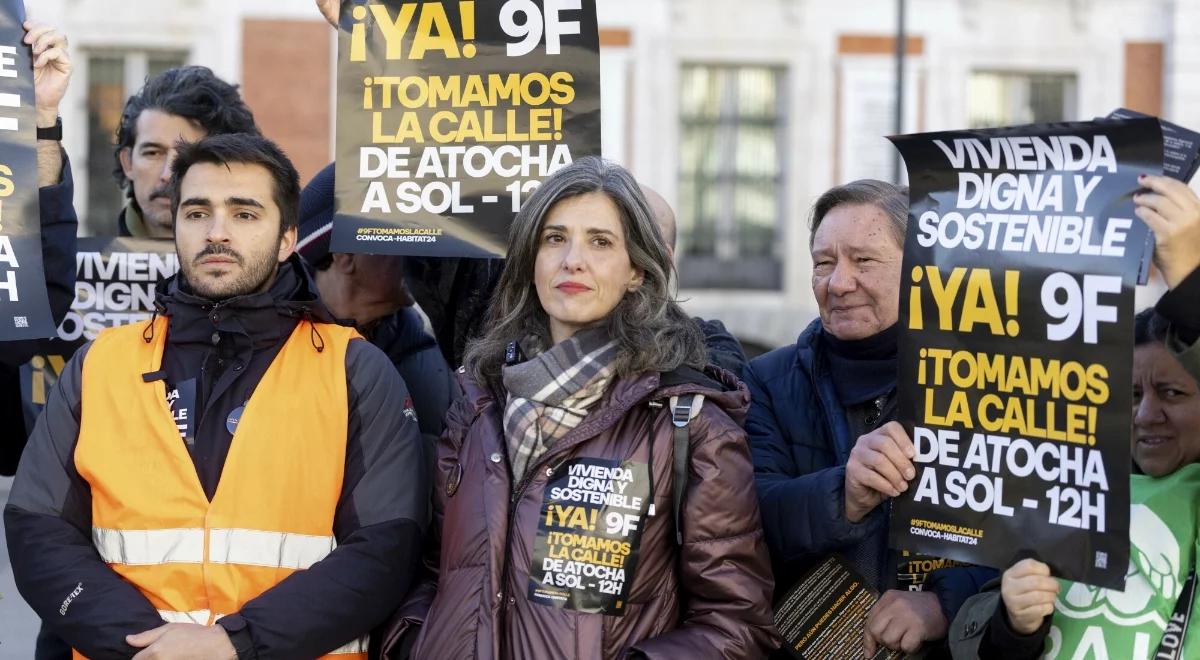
[(1182, 88)]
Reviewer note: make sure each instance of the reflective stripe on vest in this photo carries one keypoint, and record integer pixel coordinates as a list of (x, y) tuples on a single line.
[(272, 549), (273, 510), (142, 547), (199, 616), (357, 646)]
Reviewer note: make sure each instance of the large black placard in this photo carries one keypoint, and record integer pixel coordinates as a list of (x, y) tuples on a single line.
[(451, 112), (24, 307), (1020, 264)]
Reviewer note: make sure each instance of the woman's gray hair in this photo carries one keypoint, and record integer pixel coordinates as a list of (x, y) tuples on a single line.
[(888, 197), (652, 331)]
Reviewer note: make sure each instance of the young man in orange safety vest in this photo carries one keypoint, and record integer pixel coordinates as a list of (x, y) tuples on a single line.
[(237, 477)]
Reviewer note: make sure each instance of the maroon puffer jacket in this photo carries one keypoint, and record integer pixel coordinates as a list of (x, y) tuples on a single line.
[(709, 598)]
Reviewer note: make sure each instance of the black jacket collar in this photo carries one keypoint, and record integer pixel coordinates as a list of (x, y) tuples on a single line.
[(262, 319)]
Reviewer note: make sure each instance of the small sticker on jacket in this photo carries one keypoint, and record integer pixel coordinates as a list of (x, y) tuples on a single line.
[(181, 399)]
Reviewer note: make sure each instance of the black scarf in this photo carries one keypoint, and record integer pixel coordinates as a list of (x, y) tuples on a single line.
[(863, 369)]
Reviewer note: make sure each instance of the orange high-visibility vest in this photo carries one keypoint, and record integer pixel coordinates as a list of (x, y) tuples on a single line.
[(273, 510)]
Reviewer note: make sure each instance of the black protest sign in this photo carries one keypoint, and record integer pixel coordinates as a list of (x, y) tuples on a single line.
[(181, 399), (116, 281), (586, 552), (450, 113), (825, 614), (1015, 363), (24, 307)]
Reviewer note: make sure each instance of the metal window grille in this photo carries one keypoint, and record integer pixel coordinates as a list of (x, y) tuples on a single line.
[(997, 98), (731, 176)]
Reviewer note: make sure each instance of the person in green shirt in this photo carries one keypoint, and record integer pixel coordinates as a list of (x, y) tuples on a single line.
[(1034, 615)]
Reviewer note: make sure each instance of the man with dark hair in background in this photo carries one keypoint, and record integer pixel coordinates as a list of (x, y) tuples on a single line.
[(185, 103), (238, 476)]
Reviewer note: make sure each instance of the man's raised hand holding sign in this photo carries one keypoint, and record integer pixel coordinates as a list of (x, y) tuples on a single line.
[(51, 68), (51, 73), (880, 467), (329, 9)]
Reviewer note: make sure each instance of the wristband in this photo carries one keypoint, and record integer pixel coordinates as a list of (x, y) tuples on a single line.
[(51, 132)]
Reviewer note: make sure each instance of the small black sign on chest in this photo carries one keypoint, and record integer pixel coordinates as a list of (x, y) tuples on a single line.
[(181, 399), (589, 535)]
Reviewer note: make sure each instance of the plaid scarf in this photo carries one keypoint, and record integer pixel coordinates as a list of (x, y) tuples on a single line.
[(549, 394)]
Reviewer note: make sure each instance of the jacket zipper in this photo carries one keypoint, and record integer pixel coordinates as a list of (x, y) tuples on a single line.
[(518, 493), (512, 507)]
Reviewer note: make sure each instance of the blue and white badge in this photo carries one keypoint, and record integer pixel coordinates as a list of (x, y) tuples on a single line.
[(234, 417)]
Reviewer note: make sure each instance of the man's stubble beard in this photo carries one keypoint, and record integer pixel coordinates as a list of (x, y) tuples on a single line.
[(256, 275)]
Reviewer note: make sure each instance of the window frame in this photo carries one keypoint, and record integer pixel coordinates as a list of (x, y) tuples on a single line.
[(1070, 95), (725, 267)]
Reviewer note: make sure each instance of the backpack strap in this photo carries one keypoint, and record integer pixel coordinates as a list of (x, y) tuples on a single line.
[(683, 410)]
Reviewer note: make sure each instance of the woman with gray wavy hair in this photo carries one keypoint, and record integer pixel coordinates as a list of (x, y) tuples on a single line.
[(594, 492)]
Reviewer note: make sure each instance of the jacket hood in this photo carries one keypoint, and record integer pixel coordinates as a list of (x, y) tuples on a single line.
[(293, 293), (265, 317)]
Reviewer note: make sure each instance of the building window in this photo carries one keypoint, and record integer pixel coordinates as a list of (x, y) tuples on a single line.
[(112, 76), (1006, 98), (731, 176)]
